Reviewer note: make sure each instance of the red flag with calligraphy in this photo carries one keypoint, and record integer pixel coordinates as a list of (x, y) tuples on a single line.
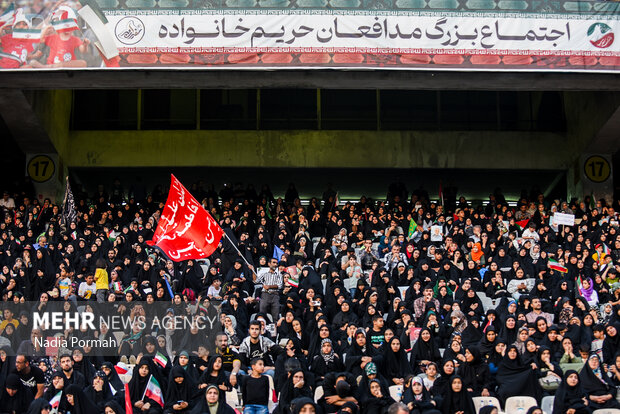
[(185, 229)]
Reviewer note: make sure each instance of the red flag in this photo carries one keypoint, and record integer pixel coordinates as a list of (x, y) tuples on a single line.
[(523, 223), (128, 405), (185, 229)]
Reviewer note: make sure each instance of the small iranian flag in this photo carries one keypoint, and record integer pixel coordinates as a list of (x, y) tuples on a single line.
[(153, 391), (128, 288), (74, 235), (29, 34), (161, 359), (553, 264), (8, 15), (66, 25), (55, 402), (117, 286), (579, 284), (292, 281)]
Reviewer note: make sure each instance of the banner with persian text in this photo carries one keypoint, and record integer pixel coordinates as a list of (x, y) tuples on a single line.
[(85, 36)]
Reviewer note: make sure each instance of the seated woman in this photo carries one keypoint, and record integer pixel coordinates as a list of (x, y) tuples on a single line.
[(475, 373), (550, 373), (597, 385), (137, 385), (294, 387), (377, 402), (570, 398), (215, 375), (395, 364), (424, 352), (326, 361), (78, 402), (418, 399), (99, 391), (181, 392), (457, 399), (212, 402)]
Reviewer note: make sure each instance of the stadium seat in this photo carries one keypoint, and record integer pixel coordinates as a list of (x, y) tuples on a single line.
[(396, 392), (318, 393), (519, 405), (232, 399), (547, 404), (607, 411), (480, 402)]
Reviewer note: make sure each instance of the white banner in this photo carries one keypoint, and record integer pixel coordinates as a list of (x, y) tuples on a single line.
[(203, 31), (564, 219)]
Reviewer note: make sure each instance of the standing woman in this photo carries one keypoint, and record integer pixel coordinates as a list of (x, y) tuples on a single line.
[(457, 399), (516, 378)]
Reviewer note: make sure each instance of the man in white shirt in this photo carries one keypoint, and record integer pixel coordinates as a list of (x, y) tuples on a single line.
[(7, 202)]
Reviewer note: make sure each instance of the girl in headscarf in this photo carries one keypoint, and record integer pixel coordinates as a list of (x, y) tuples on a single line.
[(597, 385), (457, 399), (441, 384), (475, 372), (38, 406), (395, 364), (78, 402), (82, 364), (587, 291), (418, 399), (212, 403), (113, 379), (359, 349), (14, 397), (326, 361), (112, 407), (488, 341), (570, 395), (137, 385), (611, 343), (295, 386), (99, 391), (180, 393), (215, 375), (378, 401), (424, 352), (550, 372), (57, 385)]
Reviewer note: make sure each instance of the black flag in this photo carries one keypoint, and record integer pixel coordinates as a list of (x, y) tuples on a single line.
[(69, 212)]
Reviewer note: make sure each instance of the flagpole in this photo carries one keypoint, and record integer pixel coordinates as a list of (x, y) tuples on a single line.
[(242, 256)]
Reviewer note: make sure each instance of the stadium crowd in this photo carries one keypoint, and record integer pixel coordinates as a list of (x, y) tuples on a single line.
[(439, 302)]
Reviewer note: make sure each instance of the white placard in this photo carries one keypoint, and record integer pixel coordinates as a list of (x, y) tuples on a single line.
[(564, 219)]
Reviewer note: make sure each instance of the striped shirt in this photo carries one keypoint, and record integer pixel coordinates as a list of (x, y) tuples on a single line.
[(270, 278)]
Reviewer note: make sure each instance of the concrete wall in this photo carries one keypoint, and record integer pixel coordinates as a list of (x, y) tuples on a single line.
[(585, 112)]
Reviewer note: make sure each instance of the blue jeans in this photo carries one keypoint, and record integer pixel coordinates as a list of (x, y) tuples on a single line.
[(255, 409)]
